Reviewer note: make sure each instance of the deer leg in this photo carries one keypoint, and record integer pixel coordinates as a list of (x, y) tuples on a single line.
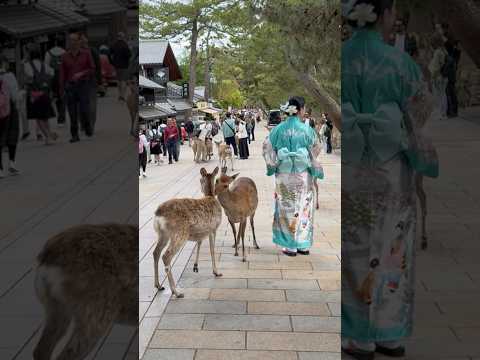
[(423, 206), (211, 240), (167, 257), (162, 241), (234, 236), (195, 265), (55, 327), (241, 231), (253, 231)]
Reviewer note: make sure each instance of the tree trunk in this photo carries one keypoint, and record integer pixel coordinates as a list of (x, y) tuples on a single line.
[(193, 61), (327, 102), (207, 68)]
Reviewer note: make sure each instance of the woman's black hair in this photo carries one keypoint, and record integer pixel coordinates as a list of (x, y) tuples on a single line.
[(297, 101), (35, 52), (379, 7)]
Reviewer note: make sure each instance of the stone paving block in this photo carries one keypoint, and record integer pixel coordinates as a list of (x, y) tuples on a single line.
[(315, 355), (245, 355), (213, 283), (247, 322), (247, 295), (260, 265), (330, 285), (169, 354), (206, 307), (293, 341), (288, 308), (316, 324), (314, 275), (313, 296), (251, 274), (283, 284), (181, 322), (198, 339), (335, 309)]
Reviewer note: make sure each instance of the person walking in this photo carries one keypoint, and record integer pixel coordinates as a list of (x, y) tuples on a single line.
[(378, 183), (291, 154), (93, 82), (156, 148), (438, 71), (243, 136), (327, 133), (142, 154), (189, 128), (228, 130), (451, 76), (75, 73), (121, 54), (170, 136), (9, 122), (53, 58), (38, 80)]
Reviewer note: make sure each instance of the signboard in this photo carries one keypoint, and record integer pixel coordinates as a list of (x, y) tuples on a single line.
[(202, 105), (185, 90)]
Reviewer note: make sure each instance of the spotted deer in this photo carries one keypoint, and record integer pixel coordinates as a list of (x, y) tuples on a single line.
[(177, 221), (86, 280), (239, 199)]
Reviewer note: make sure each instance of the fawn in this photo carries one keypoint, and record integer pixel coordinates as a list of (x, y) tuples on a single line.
[(179, 220), (239, 199), (87, 280), (224, 153)]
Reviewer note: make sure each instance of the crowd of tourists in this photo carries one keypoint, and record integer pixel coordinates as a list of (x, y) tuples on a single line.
[(58, 81)]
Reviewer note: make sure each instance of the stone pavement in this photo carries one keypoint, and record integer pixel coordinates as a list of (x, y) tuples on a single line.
[(93, 181), (271, 307)]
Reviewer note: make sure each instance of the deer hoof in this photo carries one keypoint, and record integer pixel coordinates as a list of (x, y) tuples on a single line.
[(244, 260), (179, 295), (236, 253), (217, 274), (257, 247), (160, 288), (195, 268)]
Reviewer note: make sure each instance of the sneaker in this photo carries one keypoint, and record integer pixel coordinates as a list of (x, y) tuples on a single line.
[(303, 252), (12, 169), (288, 252)]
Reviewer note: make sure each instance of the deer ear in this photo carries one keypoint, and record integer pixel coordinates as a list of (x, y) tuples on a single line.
[(203, 172), (234, 176), (215, 172)]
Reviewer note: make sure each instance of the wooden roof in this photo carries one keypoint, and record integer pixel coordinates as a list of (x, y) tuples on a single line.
[(88, 7), (159, 52), (21, 21)]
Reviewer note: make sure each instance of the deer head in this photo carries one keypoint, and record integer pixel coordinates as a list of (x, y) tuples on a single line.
[(224, 181), (207, 181)]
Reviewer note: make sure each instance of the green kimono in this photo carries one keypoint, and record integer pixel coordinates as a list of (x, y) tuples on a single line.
[(291, 154)]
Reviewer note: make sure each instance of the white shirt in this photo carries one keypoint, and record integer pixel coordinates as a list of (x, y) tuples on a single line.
[(143, 140), (207, 129), (11, 84), (55, 51), (242, 130), (400, 41), (27, 68)]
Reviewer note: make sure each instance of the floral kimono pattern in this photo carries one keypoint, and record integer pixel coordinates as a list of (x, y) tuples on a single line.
[(291, 153), (384, 106)]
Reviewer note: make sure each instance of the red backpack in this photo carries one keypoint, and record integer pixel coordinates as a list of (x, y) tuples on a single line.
[(4, 101)]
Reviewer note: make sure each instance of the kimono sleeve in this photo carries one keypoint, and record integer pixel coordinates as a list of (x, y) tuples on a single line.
[(315, 149), (270, 156)]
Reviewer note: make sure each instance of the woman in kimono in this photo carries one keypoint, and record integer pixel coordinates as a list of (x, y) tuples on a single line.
[(384, 105), (290, 152)]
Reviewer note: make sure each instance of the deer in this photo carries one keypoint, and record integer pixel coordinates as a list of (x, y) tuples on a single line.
[(224, 153), (199, 150), (178, 220), (239, 199), (86, 280)]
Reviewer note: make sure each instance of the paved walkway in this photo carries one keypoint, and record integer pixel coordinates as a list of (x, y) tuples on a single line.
[(92, 181), (271, 307)]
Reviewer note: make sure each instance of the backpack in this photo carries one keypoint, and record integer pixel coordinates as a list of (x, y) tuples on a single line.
[(55, 62), (41, 80), (215, 128), (4, 101)]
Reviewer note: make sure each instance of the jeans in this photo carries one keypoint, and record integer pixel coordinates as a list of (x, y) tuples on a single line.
[(172, 150), (452, 101), (231, 141), (329, 144), (78, 107)]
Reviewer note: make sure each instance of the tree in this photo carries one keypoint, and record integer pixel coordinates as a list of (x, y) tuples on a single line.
[(192, 21)]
